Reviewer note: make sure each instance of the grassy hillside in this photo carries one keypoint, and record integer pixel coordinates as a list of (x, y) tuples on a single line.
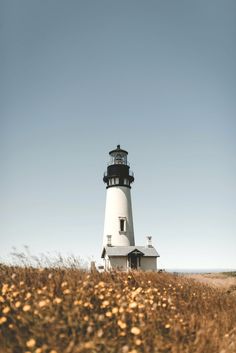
[(72, 311)]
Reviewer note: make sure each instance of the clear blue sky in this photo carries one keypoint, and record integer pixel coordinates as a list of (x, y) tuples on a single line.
[(157, 77)]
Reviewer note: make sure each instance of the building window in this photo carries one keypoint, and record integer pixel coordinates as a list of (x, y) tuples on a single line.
[(122, 224), (117, 180)]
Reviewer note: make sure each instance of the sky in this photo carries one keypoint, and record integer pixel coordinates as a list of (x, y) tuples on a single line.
[(158, 78)]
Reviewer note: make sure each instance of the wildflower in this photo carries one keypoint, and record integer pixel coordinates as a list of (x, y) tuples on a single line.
[(66, 291), (6, 310), (135, 331), (138, 342), (125, 349), (100, 333), (2, 320), (101, 284), (108, 314), (121, 324), (89, 329), (13, 276), (42, 303), (31, 343), (38, 350), (1, 299), (22, 283), (133, 305), (26, 307), (64, 284), (50, 275), (105, 303), (167, 326), (4, 288), (28, 295), (57, 300), (78, 302), (53, 351), (115, 310), (88, 345), (11, 326), (164, 305)]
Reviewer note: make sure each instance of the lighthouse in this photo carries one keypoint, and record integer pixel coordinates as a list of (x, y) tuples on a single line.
[(119, 249), (118, 212)]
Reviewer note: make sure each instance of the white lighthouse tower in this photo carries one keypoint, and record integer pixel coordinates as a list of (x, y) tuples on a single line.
[(119, 250), (118, 213)]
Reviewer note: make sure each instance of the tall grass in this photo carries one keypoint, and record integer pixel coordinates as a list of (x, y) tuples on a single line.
[(69, 310)]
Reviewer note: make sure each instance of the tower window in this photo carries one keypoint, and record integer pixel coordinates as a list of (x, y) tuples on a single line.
[(122, 224)]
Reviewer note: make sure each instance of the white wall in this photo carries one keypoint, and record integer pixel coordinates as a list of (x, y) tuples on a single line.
[(118, 204), (148, 264), (118, 263)]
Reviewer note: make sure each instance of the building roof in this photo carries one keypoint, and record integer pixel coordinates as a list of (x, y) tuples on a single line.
[(126, 250)]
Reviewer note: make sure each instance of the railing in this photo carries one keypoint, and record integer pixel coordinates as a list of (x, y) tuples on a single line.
[(131, 173)]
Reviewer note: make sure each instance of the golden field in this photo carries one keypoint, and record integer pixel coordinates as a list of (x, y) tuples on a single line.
[(68, 310)]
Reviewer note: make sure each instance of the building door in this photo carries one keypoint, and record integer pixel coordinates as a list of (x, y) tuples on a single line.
[(133, 261)]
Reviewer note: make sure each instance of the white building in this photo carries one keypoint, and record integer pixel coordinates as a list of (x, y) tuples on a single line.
[(119, 250)]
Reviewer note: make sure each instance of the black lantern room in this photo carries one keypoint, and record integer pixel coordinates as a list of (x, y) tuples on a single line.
[(118, 171)]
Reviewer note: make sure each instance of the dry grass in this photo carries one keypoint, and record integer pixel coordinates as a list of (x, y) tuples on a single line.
[(70, 310)]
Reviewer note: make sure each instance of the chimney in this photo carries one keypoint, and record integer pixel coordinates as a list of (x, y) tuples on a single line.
[(108, 240), (149, 241)]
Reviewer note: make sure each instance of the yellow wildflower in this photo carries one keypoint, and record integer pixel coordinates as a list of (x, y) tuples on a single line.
[(115, 310), (167, 326), (42, 303), (6, 310), (28, 295), (26, 307), (31, 343), (121, 324), (66, 291), (2, 320), (108, 314), (100, 333), (57, 300), (135, 331), (105, 303), (138, 342), (101, 284), (38, 350), (4, 288), (133, 305)]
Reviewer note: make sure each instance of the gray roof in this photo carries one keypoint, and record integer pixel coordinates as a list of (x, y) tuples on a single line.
[(125, 250)]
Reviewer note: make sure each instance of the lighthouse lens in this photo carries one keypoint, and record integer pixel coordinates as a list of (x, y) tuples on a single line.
[(119, 159)]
